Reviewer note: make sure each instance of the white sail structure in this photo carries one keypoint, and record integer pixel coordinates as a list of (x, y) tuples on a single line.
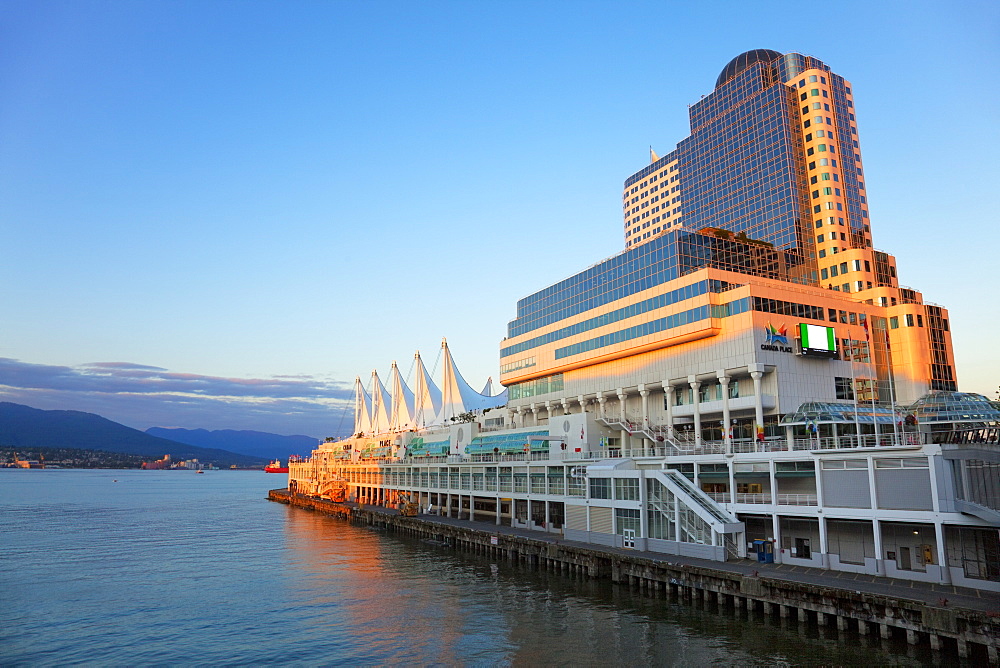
[(401, 417), (381, 411), (362, 408), (427, 396), (381, 405), (457, 396)]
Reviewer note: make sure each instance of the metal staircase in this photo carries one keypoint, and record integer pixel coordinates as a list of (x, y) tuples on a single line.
[(718, 519), (661, 436)]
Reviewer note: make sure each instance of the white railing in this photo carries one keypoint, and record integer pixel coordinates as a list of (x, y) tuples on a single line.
[(797, 500), (744, 497), (885, 440)]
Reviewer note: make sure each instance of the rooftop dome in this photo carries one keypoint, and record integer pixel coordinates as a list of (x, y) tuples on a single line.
[(942, 406), (743, 61)]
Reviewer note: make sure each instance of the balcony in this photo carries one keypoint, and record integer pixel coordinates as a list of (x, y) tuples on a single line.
[(797, 500)]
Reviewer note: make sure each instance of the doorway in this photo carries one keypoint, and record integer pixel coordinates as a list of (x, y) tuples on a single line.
[(628, 539)]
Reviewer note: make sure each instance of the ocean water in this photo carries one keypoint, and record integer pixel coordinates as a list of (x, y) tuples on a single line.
[(172, 568)]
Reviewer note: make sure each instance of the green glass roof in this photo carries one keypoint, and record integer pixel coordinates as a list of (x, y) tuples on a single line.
[(942, 406), (820, 412)]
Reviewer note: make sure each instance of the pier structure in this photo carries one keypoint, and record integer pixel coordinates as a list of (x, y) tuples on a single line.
[(951, 621)]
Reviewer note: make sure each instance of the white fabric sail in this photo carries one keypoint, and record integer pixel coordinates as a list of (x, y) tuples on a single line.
[(362, 408), (457, 396), (401, 417), (427, 396), (381, 405)]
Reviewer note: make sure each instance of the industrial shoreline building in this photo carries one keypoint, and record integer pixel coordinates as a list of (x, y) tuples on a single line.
[(746, 379)]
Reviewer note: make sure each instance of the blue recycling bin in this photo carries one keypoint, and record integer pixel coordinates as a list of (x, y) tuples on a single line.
[(764, 550)]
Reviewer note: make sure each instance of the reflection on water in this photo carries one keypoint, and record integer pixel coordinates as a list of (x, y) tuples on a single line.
[(166, 567), (426, 602)]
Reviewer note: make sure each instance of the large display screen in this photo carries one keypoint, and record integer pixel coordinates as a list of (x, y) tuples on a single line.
[(817, 340)]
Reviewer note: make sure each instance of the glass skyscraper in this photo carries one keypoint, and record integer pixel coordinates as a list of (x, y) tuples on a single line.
[(767, 190)]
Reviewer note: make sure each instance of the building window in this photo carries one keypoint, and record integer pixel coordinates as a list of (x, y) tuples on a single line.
[(844, 388), (909, 320), (600, 488), (627, 489), (627, 519)]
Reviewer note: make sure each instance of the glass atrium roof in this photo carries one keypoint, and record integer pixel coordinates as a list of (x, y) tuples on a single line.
[(820, 412), (941, 406)]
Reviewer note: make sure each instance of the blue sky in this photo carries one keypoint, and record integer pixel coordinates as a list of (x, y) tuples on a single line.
[(269, 198)]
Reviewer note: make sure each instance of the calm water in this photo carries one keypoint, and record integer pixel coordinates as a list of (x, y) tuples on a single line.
[(176, 568)]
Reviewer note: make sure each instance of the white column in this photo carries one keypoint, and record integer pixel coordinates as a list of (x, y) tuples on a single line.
[(727, 427), (776, 525), (758, 405), (583, 403), (548, 410), (534, 415), (601, 400), (625, 436), (643, 516), (879, 555), (819, 484), (644, 393), (695, 386), (942, 553), (668, 399), (824, 556)]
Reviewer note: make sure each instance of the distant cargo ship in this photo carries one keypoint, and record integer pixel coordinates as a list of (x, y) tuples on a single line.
[(275, 467)]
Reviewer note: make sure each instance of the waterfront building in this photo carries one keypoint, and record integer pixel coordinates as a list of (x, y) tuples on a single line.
[(736, 382)]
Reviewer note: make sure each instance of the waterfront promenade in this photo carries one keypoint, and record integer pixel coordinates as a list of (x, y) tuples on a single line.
[(923, 592)]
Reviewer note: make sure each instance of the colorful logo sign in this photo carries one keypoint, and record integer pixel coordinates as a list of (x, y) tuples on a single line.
[(775, 335)]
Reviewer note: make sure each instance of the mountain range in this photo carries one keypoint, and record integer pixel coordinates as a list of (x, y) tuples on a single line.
[(253, 443), (23, 427)]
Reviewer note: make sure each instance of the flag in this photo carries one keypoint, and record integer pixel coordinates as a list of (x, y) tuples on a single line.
[(864, 323)]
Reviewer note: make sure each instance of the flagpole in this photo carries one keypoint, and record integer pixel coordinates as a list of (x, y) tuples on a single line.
[(854, 396), (892, 388), (874, 379)]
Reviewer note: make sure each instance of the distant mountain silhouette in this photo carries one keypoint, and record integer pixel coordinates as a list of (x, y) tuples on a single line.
[(26, 427), (253, 443)]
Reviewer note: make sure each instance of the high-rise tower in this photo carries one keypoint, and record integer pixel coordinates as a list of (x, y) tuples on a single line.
[(761, 210), (774, 156)]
